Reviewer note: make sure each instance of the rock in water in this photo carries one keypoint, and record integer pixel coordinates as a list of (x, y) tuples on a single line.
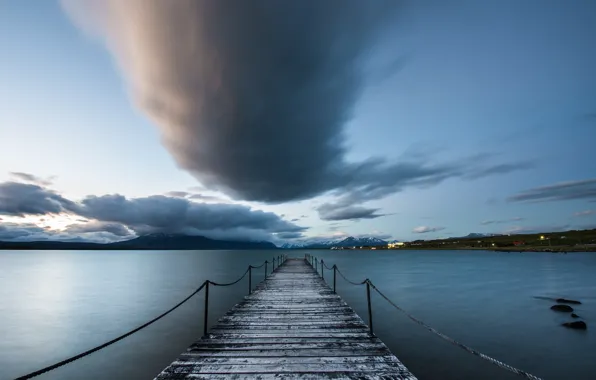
[(564, 308), (579, 325), (564, 300), (573, 315)]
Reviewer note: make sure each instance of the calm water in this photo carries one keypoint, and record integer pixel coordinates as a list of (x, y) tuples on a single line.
[(54, 304)]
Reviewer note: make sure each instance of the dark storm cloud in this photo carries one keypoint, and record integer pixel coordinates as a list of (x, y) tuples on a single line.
[(584, 189), (330, 211), (15, 231), (289, 235), (21, 199), (376, 178), (32, 232), (116, 229), (251, 96), (176, 215), (27, 177), (426, 229), (118, 216)]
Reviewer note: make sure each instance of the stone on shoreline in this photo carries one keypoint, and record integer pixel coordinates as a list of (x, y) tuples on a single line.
[(564, 300), (579, 325), (563, 308), (573, 315)]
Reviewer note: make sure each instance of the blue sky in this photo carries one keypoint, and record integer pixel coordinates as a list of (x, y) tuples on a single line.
[(505, 84)]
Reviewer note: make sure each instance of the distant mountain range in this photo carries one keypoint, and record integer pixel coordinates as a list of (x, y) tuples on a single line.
[(161, 241), (347, 242), (146, 242)]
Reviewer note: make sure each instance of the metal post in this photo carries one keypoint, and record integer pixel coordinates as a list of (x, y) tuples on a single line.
[(334, 271), (272, 269), (266, 269), (205, 321), (370, 320), (316, 266), (249, 279), (322, 268)]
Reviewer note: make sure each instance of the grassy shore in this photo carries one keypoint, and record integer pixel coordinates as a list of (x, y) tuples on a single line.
[(567, 241)]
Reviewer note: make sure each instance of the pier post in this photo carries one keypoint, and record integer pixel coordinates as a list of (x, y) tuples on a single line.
[(334, 272), (273, 268), (205, 320), (266, 268), (370, 320), (316, 265), (322, 269), (249, 279)]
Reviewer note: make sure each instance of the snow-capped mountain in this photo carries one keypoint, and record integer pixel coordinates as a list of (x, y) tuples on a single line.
[(310, 244), (360, 242), (350, 241)]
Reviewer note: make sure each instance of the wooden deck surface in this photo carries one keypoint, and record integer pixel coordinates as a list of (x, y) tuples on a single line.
[(292, 326)]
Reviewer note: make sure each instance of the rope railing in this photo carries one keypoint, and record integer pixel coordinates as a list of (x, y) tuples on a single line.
[(204, 285), (311, 259)]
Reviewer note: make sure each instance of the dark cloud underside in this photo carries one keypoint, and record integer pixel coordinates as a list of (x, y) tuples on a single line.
[(25, 199)]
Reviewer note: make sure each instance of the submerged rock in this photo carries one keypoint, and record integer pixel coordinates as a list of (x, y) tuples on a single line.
[(564, 308), (564, 300), (579, 325), (573, 315)]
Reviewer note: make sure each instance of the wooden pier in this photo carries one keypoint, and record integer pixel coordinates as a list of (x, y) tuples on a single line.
[(291, 326)]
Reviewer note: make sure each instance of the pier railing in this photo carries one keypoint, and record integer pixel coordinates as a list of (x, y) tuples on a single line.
[(276, 262), (319, 265)]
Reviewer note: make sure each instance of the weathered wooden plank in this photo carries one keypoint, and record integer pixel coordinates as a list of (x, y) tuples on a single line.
[(303, 352), (199, 367), (292, 327), (296, 376), (291, 360), (287, 344)]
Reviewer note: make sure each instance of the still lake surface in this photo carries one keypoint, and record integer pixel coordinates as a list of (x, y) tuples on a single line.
[(54, 304)]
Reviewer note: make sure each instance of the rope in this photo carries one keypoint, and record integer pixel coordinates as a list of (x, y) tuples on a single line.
[(453, 341), (351, 282), (89, 352), (260, 266), (325, 265), (230, 283)]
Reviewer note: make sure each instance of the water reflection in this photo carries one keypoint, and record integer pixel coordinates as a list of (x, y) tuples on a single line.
[(56, 304)]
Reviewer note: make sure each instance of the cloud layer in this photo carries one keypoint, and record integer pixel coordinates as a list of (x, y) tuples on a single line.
[(426, 229), (21, 199), (562, 191), (124, 217)]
